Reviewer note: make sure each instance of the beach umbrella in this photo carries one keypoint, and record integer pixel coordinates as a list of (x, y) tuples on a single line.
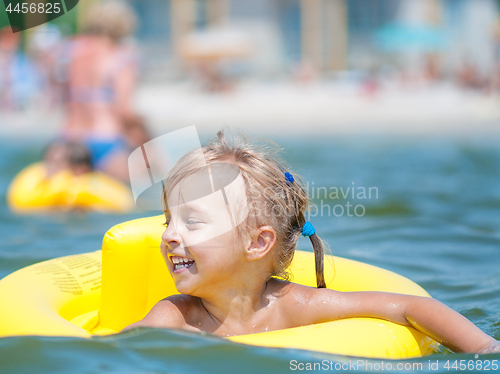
[(397, 37), (216, 44)]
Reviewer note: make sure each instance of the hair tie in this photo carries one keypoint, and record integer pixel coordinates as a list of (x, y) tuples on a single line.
[(308, 229), (289, 178)]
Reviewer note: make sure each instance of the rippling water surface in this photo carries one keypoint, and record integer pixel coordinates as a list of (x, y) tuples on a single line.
[(433, 216)]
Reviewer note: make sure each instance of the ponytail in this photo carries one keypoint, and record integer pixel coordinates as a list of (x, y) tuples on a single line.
[(309, 230), (318, 260)]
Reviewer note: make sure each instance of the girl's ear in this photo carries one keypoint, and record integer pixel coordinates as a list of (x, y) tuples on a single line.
[(262, 240)]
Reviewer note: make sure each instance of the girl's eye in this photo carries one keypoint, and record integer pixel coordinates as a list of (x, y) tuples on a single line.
[(167, 222), (192, 223)]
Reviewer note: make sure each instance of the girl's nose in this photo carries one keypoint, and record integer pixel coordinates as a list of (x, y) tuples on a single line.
[(170, 237)]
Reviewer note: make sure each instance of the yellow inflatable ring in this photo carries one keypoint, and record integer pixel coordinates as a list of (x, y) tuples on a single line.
[(68, 297), (32, 192)]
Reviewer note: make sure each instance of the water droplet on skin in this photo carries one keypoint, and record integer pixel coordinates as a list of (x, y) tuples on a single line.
[(199, 323)]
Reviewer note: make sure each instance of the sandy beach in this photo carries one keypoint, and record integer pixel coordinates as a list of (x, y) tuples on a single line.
[(286, 108)]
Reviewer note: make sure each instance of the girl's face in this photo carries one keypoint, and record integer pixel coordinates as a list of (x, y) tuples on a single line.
[(199, 244)]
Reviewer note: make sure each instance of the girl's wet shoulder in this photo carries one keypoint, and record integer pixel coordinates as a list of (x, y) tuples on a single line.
[(290, 292), (167, 313), (185, 304)]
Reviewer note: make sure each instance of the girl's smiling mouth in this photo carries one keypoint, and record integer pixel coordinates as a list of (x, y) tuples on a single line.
[(180, 263)]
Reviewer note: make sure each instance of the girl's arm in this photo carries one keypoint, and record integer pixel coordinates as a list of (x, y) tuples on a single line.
[(424, 314)]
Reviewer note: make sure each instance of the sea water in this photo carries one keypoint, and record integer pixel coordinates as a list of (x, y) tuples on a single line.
[(426, 208)]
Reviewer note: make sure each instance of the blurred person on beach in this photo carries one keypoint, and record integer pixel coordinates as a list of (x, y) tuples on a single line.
[(47, 48), (304, 73), (101, 78), (370, 85), (495, 82), (19, 78), (469, 77)]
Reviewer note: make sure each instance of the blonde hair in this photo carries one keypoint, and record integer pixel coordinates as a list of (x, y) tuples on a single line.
[(110, 18), (272, 199)]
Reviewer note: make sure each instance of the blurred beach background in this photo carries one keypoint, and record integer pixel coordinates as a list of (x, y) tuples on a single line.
[(390, 66), (401, 96)]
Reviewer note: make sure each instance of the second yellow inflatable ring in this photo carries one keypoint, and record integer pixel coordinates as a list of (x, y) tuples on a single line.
[(32, 192), (69, 297)]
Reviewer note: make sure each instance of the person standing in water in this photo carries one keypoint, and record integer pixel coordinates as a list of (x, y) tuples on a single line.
[(101, 78)]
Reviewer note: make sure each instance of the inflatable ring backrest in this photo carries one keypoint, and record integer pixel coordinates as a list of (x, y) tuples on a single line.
[(135, 276)]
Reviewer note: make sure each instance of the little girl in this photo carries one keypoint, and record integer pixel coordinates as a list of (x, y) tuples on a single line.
[(233, 217)]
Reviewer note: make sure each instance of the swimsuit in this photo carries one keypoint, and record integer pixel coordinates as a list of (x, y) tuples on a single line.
[(101, 149)]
